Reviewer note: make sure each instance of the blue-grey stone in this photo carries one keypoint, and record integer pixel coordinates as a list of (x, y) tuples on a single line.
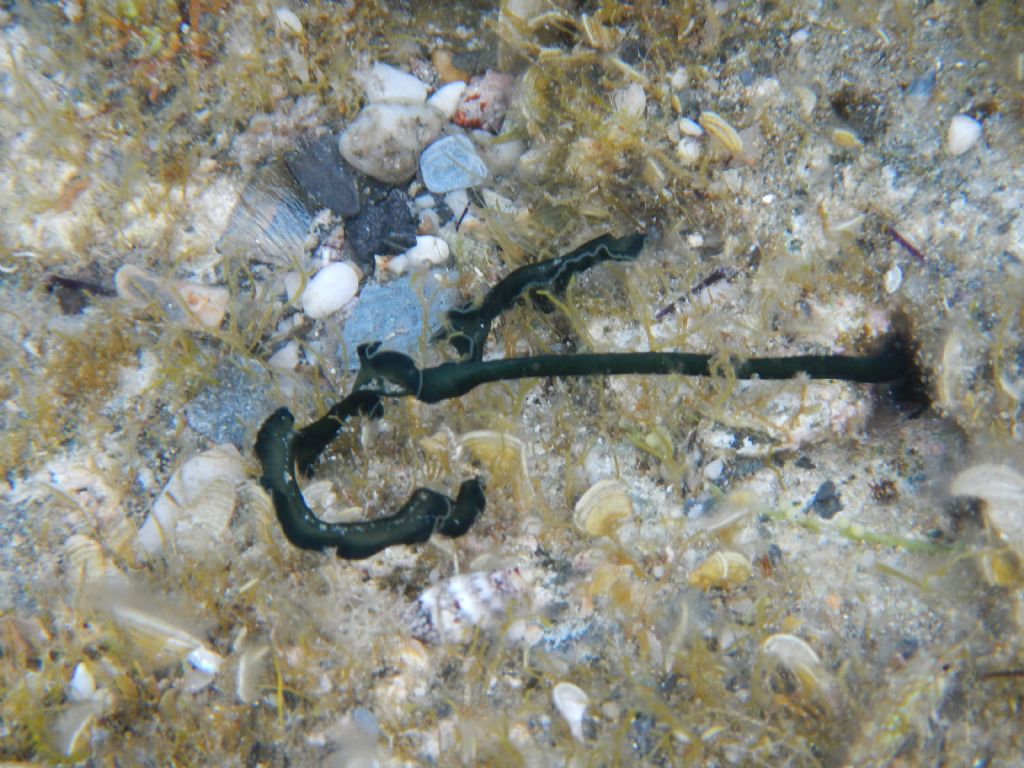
[(451, 163), (393, 313), (232, 408)]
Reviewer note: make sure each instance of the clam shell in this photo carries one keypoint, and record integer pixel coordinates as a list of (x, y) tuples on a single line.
[(723, 569), (502, 454), (601, 510), (85, 562), (271, 220), (726, 135)]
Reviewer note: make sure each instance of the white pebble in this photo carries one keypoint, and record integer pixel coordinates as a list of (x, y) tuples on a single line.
[(446, 98), (688, 151), (630, 101), (385, 140), (288, 21), (385, 83), (713, 469), (571, 702), (893, 278), (331, 288), (83, 685), (457, 202), (963, 134), (679, 79), (286, 358), (689, 127), (429, 251)]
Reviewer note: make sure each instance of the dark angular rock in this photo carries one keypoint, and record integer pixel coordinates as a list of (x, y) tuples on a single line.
[(319, 169), (383, 228), (826, 502)]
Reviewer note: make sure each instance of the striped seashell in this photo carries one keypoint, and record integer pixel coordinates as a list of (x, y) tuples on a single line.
[(454, 609), (601, 510), (723, 569)]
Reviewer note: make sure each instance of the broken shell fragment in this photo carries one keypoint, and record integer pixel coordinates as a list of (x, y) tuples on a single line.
[(726, 135), (1002, 491), (963, 133), (571, 702), (808, 679), (601, 510), (723, 570), (180, 301), (271, 220)]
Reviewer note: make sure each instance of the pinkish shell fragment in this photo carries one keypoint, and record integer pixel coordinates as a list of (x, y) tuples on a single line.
[(485, 102)]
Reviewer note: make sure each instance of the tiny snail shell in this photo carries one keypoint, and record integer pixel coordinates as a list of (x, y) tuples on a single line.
[(601, 510), (723, 569)]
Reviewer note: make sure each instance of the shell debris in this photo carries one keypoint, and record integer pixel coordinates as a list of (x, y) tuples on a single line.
[(571, 702), (815, 687), (452, 610), (1001, 488), (603, 507), (723, 569), (502, 454), (720, 129)]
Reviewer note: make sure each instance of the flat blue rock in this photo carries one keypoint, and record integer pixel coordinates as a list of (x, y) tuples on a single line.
[(393, 314), (451, 163)]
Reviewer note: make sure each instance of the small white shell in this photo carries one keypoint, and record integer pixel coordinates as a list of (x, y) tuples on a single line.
[(85, 563), (429, 251), (183, 497), (571, 702), (963, 133), (601, 510), (331, 288), (288, 21), (452, 610), (893, 279)]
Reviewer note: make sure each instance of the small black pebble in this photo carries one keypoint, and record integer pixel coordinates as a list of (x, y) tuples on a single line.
[(382, 229), (826, 502)]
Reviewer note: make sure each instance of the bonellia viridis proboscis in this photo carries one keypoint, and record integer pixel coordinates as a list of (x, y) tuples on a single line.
[(284, 451)]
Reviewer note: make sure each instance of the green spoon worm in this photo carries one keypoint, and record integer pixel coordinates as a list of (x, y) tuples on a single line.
[(283, 450)]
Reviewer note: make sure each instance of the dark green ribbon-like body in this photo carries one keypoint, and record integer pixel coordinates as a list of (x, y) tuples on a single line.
[(384, 373)]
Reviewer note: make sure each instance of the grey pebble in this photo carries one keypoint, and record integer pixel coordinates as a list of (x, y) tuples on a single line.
[(393, 313), (231, 410), (451, 163)]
